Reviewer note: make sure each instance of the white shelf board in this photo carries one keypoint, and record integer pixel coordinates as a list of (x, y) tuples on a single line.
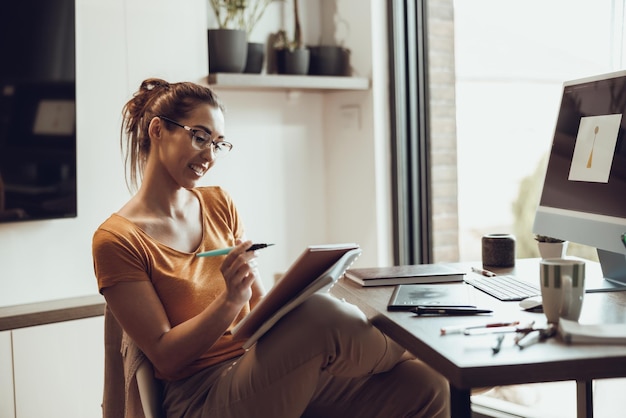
[(237, 81)]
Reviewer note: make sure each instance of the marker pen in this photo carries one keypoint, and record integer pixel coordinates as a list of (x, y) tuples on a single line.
[(484, 272), (224, 251)]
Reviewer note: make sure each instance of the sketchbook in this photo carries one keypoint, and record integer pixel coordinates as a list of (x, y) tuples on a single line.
[(407, 296), (315, 270), (410, 274)]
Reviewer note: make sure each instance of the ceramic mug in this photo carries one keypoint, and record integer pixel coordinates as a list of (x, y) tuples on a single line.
[(562, 288)]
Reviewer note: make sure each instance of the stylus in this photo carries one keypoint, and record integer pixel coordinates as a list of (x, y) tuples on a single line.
[(428, 310), (224, 251)]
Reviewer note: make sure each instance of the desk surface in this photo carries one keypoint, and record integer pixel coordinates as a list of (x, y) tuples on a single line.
[(468, 361)]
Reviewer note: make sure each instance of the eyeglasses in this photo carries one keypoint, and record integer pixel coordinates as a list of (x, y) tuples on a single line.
[(201, 139)]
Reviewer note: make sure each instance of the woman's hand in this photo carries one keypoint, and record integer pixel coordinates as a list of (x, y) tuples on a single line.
[(240, 272)]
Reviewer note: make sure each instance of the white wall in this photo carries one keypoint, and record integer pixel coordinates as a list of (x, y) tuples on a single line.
[(301, 172), (7, 395), (358, 153), (58, 370), (118, 43)]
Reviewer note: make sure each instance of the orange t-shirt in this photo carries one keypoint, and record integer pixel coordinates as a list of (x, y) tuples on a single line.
[(186, 284)]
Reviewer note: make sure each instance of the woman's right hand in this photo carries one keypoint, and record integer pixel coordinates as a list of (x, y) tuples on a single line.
[(239, 272)]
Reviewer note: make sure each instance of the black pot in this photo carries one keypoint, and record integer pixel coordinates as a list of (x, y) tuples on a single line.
[(329, 60), (294, 62), (255, 58), (228, 49)]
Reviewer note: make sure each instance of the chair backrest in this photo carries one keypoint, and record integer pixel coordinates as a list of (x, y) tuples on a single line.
[(150, 391), (141, 396)]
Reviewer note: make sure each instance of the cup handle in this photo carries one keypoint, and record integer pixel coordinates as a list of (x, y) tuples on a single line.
[(566, 295)]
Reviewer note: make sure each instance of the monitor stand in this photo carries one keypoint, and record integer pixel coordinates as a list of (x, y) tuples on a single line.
[(614, 271)]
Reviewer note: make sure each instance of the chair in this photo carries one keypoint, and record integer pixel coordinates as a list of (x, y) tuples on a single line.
[(150, 391), (139, 395)]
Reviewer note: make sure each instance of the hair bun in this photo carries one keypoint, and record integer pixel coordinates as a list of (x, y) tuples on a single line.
[(153, 83)]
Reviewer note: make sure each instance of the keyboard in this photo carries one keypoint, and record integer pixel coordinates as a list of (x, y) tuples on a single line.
[(505, 287)]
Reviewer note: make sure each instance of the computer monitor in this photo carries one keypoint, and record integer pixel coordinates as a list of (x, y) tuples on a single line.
[(584, 192)]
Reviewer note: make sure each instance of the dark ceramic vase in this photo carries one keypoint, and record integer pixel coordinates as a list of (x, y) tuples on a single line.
[(295, 62), (228, 49), (255, 58), (329, 60), (498, 250)]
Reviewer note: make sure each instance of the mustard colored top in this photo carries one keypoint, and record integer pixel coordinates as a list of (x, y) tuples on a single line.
[(186, 284)]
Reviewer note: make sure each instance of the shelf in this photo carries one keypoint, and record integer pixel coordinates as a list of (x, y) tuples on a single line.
[(236, 81), (40, 313)]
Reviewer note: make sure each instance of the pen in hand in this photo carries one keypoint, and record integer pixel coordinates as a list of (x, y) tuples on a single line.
[(224, 251)]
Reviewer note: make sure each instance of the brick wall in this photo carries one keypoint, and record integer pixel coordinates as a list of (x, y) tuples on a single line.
[(443, 130)]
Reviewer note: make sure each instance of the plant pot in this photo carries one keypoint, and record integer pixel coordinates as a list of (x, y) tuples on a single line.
[(228, 49), (292, 61), (329, 60), (255, 58), (552, 249)]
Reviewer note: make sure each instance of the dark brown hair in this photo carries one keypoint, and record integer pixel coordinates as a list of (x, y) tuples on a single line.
[(156, 97)]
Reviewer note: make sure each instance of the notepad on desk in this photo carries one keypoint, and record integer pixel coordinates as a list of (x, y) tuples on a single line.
[(572, 332), (409, 274)]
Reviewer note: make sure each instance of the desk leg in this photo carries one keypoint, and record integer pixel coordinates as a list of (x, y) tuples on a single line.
[(460, 403), (584, 399)]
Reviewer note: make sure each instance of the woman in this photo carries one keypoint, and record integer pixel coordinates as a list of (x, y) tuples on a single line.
[(323, 359)]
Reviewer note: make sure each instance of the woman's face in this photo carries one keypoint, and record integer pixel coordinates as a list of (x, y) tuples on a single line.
[(185, 164)]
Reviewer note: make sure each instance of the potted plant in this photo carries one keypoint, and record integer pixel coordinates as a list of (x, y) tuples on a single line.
[(292, 56), (330, 57), (550, 247), (229, 49), (332, 60)]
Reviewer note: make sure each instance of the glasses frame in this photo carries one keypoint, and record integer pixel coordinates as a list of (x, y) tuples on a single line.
[(217, 147)]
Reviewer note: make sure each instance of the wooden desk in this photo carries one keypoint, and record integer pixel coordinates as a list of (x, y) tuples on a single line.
[(468, 361)]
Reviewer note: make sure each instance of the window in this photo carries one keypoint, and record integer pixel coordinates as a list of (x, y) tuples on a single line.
[(511, 59)]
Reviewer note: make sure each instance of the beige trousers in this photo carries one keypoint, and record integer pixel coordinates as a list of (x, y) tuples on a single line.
[(324, 359)]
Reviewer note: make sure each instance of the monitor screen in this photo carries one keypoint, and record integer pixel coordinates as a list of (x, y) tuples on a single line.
[(37, 110), (584, 192)]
